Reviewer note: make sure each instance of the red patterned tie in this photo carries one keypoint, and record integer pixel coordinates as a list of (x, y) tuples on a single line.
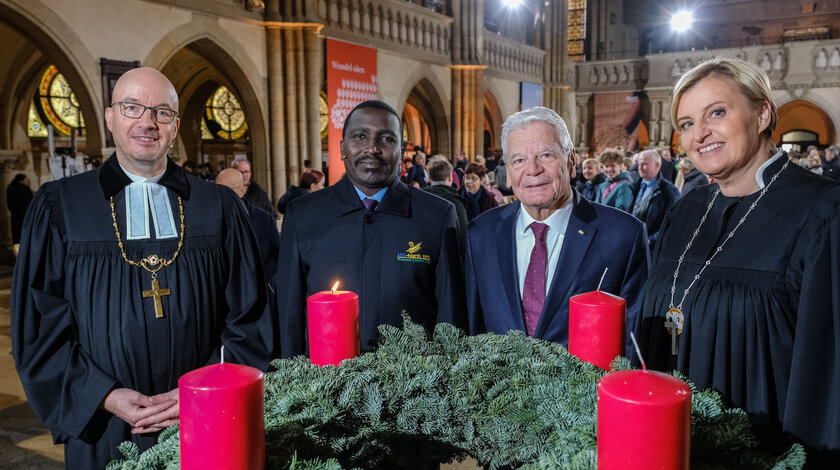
[(533, 293)]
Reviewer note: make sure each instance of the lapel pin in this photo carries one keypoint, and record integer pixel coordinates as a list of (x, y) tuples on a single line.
[(580, 232)]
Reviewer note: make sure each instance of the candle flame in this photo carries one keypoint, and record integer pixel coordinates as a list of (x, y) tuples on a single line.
[(335, 287)]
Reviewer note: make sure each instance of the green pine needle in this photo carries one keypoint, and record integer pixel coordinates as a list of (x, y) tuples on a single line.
[(500, 399)]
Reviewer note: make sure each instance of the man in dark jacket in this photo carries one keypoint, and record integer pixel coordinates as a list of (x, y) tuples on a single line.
[(254, 194), (668, 170), (653, 195), (418, 173), (262, 223), (691, 176), (831, 167), (393, 245), (18, 197), (440, 172)]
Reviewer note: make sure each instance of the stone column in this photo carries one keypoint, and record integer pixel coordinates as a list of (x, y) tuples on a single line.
[(659, 121), (468, 77), (468, 109), (559, 70), (294, 83), (581, 136)]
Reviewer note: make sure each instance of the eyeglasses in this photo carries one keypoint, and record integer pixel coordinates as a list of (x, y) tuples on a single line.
[(136, 110)]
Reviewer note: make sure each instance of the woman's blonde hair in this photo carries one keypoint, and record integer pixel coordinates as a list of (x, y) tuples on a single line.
[(749, 78)]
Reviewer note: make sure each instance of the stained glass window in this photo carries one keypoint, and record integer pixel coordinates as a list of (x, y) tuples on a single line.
[(58, 103), (223, 116), (324, 114), (576, 34), (205, 131), (35, 126)]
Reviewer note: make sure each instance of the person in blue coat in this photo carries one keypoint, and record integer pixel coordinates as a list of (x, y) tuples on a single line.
[(393, 245), (526, 259), (617, 191)]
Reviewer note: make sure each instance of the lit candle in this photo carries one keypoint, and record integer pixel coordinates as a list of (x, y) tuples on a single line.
[(222, 423), (644, 421), (596, 327), (333, 318)]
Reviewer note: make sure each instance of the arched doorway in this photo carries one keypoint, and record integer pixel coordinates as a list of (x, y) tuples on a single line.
[(221, 118), (28, 53), (424, 119), (802, 123), (492, 123), (415, 129), (30, 47)]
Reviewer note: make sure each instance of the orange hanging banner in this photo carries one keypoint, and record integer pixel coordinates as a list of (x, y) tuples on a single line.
[(351, 79)]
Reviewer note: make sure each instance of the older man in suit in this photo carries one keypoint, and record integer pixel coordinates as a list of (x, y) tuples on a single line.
[(653, 194), (526, 259), (394, 245)]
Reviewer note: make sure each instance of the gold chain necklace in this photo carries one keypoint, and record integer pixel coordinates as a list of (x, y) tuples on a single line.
[(152, 263), (675, 319)]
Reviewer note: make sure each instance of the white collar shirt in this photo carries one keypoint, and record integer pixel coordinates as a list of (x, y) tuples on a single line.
[(557, 223)]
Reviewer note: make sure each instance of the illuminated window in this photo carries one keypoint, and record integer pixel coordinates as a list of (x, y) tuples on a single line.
[(205, 131), (324, 114), (224, 118), (577, 30), (58, 104), (35, 126)]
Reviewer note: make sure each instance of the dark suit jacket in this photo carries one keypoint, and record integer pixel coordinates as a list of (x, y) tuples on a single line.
[(257, 196), (693, 179), (417, 173), (328, 236), (451, 194), (668, 170), (597, 237), (664, 196)]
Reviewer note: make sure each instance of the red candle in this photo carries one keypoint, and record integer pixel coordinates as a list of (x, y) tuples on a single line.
[(644, 421), (222, 418), (596, 327), (333, 326)]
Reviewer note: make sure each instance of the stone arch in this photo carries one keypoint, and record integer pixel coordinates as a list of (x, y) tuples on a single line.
[(60, 46), (424, 97), (803, 114), (223, 62), (492, 121)]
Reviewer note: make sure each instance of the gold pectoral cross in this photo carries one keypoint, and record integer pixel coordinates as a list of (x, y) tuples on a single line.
[(156, 292)]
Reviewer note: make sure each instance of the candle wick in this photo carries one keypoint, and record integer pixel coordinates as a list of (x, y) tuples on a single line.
[(638, 351), (223, 354), (602, 278)]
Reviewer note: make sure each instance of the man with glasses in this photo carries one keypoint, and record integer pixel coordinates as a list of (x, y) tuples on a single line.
[(124, 282)]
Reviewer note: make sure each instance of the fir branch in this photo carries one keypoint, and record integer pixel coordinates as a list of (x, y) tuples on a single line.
[(501, 399)]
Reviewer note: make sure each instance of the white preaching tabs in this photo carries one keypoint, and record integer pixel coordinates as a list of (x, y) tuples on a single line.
[(142, 198)]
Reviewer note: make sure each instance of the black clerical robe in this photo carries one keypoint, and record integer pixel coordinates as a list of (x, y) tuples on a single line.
[(81, 327), (762, 323)]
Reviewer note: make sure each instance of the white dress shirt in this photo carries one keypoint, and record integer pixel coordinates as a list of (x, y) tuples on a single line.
[(557, 223)]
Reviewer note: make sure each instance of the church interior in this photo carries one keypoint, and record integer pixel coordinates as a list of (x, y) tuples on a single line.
[(254, 82)]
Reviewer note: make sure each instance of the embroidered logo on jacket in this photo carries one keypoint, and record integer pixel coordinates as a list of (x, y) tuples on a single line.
[(413, 255)]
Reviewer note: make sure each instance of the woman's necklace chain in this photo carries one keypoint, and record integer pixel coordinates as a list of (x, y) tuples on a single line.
[(152, 263), (675, 319)]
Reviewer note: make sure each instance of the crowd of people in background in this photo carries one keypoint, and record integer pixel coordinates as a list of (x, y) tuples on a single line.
[(426, 237), (645, 183)]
